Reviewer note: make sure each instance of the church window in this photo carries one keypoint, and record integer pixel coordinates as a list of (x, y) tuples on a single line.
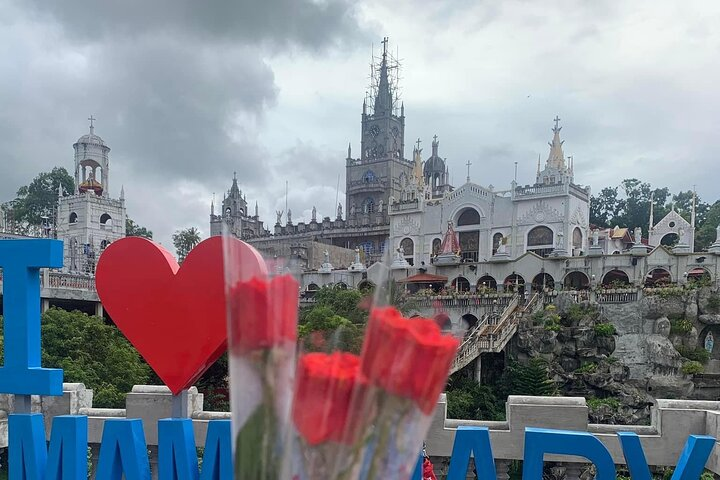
[(577, 239), (552, 179), (540, 241), (104, 244), (461, 284), (497, 238), (73, 217), (106, 220), (408, 249), (369, 177), (469, 245), (436, 244), (469, 216)]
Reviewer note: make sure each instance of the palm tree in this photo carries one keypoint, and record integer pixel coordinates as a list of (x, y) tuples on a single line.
[(184, 241)]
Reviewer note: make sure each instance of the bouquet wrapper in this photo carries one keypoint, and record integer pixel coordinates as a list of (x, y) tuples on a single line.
[(262, 312)]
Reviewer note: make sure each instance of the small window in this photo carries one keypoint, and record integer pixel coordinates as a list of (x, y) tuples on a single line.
[(73, 217), (469, 217), (106, 220)]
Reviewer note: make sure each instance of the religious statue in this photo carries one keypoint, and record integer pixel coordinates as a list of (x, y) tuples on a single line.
[(681, 233), (560, 240), (339, 210), (638, 235), (279, 216), (401, 252), (352, 210), (357, 255), (314, 214), (289, 216), (380, 206), (391, 200), (595, 237), (709, 342), (327, 256), (502, 247), (717, 234)]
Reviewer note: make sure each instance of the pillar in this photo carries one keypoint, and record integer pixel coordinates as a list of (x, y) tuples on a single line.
[(99, 310), (478, 369), (44, 305), (502, 469)]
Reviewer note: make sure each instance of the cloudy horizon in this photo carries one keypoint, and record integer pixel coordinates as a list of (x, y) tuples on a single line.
[(186, 94)]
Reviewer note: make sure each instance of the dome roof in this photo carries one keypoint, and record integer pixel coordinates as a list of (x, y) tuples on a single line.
[(91, 185), (434, 165), (91, 138)]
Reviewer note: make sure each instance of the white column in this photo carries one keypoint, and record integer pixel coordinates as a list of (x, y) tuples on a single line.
[(99, 310), (478, 368), (44, 305)]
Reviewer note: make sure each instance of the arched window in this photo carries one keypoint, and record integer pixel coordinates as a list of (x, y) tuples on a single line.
[(497, 238), (514, 283), (104, 244), (436, 244), (485, 283), (657, 277), (106, 220), (577, 281), (615, 278), (469, 216), (540, 241), (543, 281), (670, 239), (73, 217), (577, 240), (461, 284), (408, 249)]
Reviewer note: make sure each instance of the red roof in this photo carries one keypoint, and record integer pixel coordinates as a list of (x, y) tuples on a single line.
[(424, 278)]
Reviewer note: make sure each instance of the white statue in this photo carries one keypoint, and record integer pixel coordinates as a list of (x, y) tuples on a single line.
[(595, 237), (381, 204), (352, 210), (560, 240), (681, 233), (314, 214), (357, 255), (709, 342), (638, 235), (401, 252), (717, 234), (289, 216), (502, 247), (339, 211), (327, 256), (279, 216)]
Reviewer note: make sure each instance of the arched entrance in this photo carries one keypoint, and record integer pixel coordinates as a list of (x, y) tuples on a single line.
[(341, 286), (365, 285), (310, 290), (468, 321), (540, 240), (487, 283), (514, 283), (576, 281), (657, 277), (615, 278), (461, 284), (542, 282), (699, 274), (407, 249)]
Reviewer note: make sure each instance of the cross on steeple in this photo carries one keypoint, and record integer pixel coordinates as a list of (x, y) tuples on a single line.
[(385, 42), (435, 138), (557, 122), (92, 127), (418, 144), (468, 165)]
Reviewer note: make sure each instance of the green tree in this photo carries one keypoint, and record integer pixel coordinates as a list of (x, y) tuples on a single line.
[(343, 302), (39, 198), (467, 399), (214, 386), (184, 241), (322, 329), (706, 233), (92, 352), (528, 379), (132, 229), (604, 207)]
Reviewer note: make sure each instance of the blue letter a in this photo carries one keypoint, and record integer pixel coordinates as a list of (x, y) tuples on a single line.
[(475, 441), (689, 466), (123, 451)]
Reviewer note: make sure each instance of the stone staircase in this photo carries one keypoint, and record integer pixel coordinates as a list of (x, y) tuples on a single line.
[(493, 332)]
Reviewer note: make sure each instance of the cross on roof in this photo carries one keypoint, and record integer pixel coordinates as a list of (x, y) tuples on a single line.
[(385, 42), (435, 138), (92, 119), (468, 165), (557, 121), (418, 143)]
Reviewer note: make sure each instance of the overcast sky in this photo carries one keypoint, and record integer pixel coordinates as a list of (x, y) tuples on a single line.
[(186, 92)]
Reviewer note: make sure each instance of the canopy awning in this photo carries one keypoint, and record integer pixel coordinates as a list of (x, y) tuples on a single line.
[(424, 278)]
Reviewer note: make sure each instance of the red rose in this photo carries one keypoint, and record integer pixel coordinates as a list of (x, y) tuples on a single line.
[(328, 388), (263, 313), (407, 357)]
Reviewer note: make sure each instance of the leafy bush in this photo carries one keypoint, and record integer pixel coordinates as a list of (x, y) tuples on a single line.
[(713, 303), (697, 354), (469, 400), (589, 367), (668, 292), (594, 403), (527, 379), (681, 326), (692, 367), (538, 317), (604, 329), (552, 326)]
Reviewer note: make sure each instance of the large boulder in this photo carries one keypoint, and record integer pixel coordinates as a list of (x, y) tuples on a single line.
[(667, 386), (656, 306), (707, 301), (709, 318), (663, 326)]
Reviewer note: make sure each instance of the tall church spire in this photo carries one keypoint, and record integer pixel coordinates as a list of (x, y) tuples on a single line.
[(383, 101), (556, 159)]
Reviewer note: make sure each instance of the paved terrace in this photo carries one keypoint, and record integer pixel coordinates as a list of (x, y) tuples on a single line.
[(663, 440)]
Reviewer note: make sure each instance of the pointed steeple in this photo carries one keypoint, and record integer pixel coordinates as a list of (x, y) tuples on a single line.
[(435, 145), (556, 159), (349, 151), (212, 205), (234, 189), (538, 170), (122, 192), (256, 209), (383, 101)]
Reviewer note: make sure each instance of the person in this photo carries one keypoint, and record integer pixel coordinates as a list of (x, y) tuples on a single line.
[(428, 472)]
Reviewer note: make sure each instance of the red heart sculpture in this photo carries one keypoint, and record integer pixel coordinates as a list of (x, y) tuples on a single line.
[(174, 316)]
